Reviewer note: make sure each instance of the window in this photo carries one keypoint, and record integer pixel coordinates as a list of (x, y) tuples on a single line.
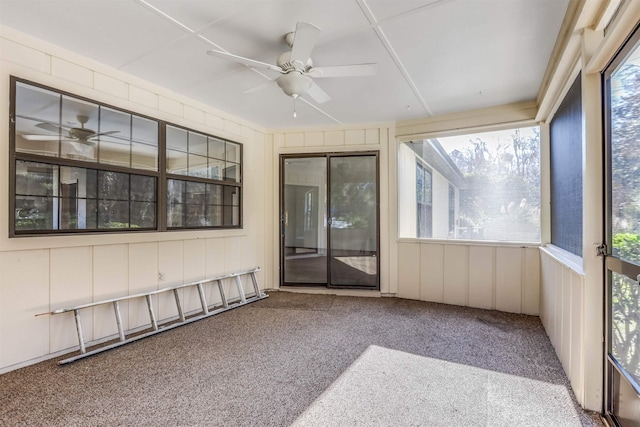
[(483, 186), (80, 166), (566, 172), (423, 200), (197, 199), (452, 211)]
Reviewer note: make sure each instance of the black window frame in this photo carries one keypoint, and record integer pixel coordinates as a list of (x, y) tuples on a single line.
[(161, 176)]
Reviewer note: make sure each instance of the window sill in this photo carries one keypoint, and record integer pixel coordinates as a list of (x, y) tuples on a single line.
[(492, 243), (572, 261)]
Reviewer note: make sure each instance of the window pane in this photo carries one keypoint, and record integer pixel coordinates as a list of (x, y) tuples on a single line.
[(88, 209), (113, 214), (143, 188), (198, 166), (196, 215), (175, 191), (216, 169), (232, 172), (36, 179), (176, 138), (144, 130), (216, 148), (114, 151), (197, 143), (214, 215), (80, 119), (143, 215), (231, 196), (177, 162), (113, 185), (37, 120), (117, 123), (625, 157), (231, 216), (175, 215), (233, 152), (36, 213), (486, 184), (625, 340), (76, 185), (196, 193), (79, 150), (144, 156), (214, 194)]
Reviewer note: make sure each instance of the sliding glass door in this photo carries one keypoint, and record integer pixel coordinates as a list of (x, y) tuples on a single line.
[(329, 220), (622, 107)]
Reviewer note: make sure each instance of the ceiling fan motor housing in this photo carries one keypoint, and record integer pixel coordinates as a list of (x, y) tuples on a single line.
[(294, 83), (284, 62)]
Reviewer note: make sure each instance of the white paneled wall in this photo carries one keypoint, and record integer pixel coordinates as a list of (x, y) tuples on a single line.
[(40, 274), (562, 314), (504, 278), (39, 281)]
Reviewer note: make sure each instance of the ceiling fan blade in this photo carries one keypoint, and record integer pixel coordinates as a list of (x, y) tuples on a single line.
[(111, 132), (41, 137), (243, 60), (356, 70), (257, 88), (303, 42), (317, 94), (50, 127)]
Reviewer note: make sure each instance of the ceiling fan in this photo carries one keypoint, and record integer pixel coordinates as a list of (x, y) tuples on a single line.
[(74, 134), (296, 68)]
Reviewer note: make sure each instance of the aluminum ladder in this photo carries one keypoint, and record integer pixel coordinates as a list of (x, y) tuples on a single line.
[(156, 326)]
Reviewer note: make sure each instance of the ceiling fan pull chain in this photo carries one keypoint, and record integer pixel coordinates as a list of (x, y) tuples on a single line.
[(294, 107)]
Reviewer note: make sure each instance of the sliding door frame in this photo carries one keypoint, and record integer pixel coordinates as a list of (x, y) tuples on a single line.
[(282, 219)]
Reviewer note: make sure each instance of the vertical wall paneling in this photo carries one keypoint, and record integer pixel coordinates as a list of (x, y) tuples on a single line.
[(110, 280), (193, 269), (481, 277), (71, 277), (509, 279), (565, 324), (456, 274), (432, 272), (560, 305), (575, 326), (409, 270), (562, 315), (143, 276), (24, 292), (531, 282), (170, 272)]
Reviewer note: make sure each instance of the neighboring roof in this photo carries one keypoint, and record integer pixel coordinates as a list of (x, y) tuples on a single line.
[(433, 154)]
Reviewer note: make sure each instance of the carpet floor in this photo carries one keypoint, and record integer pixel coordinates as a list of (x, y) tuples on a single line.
[(312, 360)]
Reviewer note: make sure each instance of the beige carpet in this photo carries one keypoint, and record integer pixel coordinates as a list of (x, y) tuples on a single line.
[(311, 360)]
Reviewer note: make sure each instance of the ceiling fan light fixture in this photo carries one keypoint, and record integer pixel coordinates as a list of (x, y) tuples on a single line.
[(294, 83)]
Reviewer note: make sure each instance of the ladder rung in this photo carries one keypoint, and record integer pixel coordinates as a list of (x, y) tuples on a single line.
[(227, 304)]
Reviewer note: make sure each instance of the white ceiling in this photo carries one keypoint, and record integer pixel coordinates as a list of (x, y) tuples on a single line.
[(433, 56)]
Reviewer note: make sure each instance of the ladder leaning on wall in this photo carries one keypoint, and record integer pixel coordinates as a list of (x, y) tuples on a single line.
[(157, 326)]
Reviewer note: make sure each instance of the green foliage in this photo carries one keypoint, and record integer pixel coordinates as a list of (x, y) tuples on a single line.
[(501, 198), (627, 246)]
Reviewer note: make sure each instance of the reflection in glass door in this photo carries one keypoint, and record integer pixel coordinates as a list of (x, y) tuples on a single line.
[(304, 197), (622, 107), (329, 220), (353, 221)]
